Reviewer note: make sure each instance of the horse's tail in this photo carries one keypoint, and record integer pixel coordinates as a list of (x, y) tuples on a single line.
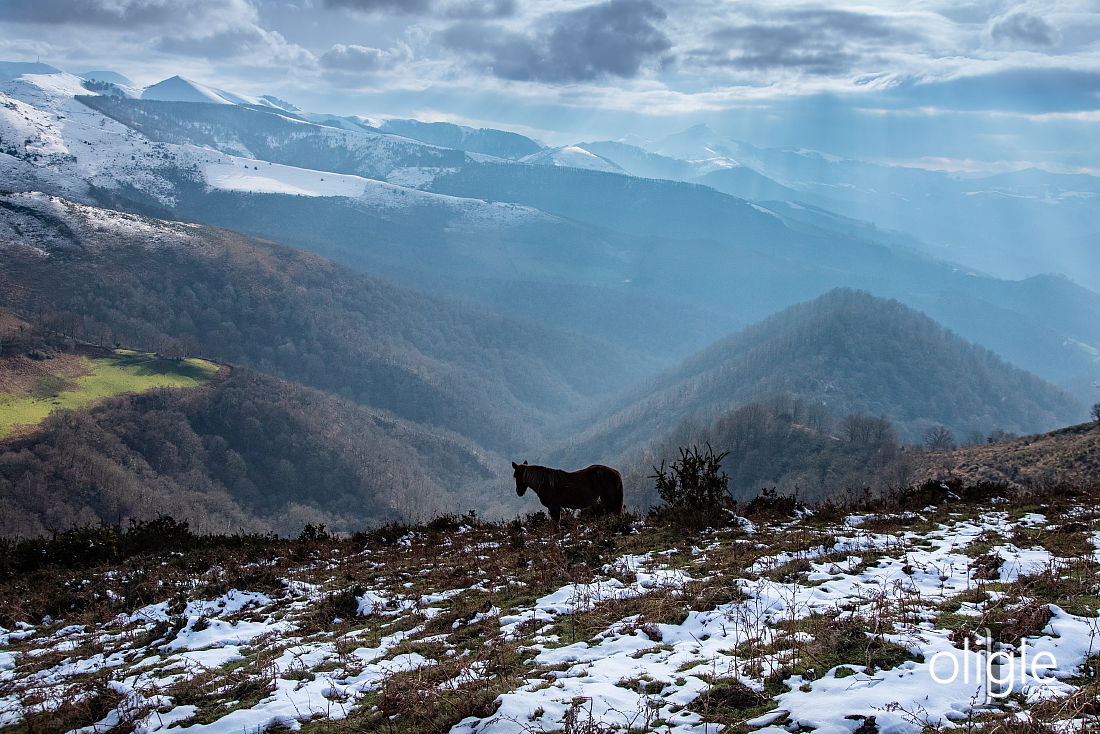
[(612, 495)]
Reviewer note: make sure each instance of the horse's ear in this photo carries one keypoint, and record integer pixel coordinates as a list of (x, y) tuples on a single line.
[(525, 461), (515, 465)]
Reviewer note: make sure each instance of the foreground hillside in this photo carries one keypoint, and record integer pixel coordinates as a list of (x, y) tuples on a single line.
[(834, 622)]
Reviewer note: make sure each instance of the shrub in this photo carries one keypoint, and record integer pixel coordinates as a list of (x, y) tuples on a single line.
[(694, 481), (314, 533), (769, 503)]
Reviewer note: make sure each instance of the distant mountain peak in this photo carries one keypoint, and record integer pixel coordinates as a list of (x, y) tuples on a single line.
[(180, 89), (12, 69), (573, 156), (701, 129), (850, 352), (499, 143)]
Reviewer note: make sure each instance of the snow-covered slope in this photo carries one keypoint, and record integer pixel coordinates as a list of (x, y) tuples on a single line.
[(572, 156), (70, 147), (180, 89), (774, 626), (32, 218), (65, 147)]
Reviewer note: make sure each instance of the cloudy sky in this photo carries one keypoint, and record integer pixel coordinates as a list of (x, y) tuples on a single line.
[(954, 84)]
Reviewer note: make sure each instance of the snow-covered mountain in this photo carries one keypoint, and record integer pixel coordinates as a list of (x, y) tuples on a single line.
[(573, 156), (107, 76), (1012, 225), (69, 148), (13, 69), (179, 89)]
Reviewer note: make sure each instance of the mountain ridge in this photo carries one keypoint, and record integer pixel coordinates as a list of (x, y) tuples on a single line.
[(847, 351)]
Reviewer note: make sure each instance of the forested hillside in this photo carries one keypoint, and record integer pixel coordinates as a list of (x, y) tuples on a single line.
[(173, 288), (247, 453), (849, 353), (786, 445)]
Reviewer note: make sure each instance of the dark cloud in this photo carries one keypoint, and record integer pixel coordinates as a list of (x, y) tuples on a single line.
[(817, 41), (1021, 28), (478, 9), (128, 13), (1017, 90), (361, 59), (613, 38), (397, 7)]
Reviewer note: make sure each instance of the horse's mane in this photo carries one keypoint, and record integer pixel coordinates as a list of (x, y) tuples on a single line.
[(541, 477)]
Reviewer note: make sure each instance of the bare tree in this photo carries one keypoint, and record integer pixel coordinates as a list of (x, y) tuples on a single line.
[(1000, 435), (939, 438), (1095, 412), (868, 431)]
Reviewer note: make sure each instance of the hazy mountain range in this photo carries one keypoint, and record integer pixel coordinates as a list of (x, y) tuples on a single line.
[(490, 295)]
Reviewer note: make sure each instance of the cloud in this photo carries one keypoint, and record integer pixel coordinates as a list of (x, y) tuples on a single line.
[(479, 9), (364, 59), (1022, 29), (812, 40), (210, 29), (127, 13), (1027, 90), (614, 38), (396, 7), (235, 42)]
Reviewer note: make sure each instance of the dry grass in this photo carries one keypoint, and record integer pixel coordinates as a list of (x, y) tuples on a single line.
[(507, 566), (1069, 456)]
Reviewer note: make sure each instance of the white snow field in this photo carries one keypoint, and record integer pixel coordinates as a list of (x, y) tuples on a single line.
[(873, 623)]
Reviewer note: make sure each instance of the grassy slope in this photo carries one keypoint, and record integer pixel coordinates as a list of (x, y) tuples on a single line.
[(123, 371), (1069, 455)]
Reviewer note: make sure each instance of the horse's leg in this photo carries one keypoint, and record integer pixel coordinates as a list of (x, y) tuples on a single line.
[(612, 499), (555, 515)]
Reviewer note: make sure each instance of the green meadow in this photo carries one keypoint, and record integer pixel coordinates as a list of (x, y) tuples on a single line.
[(123, 371)]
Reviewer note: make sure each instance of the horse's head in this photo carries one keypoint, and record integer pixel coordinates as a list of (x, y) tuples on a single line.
[(517, 474)]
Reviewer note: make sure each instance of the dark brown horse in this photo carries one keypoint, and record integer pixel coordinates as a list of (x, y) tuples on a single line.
[(576, 490)]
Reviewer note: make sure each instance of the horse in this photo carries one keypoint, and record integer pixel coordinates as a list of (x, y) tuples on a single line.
[(576, 490)]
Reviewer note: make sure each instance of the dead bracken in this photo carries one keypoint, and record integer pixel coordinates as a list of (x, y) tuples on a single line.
[(762, 623)]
